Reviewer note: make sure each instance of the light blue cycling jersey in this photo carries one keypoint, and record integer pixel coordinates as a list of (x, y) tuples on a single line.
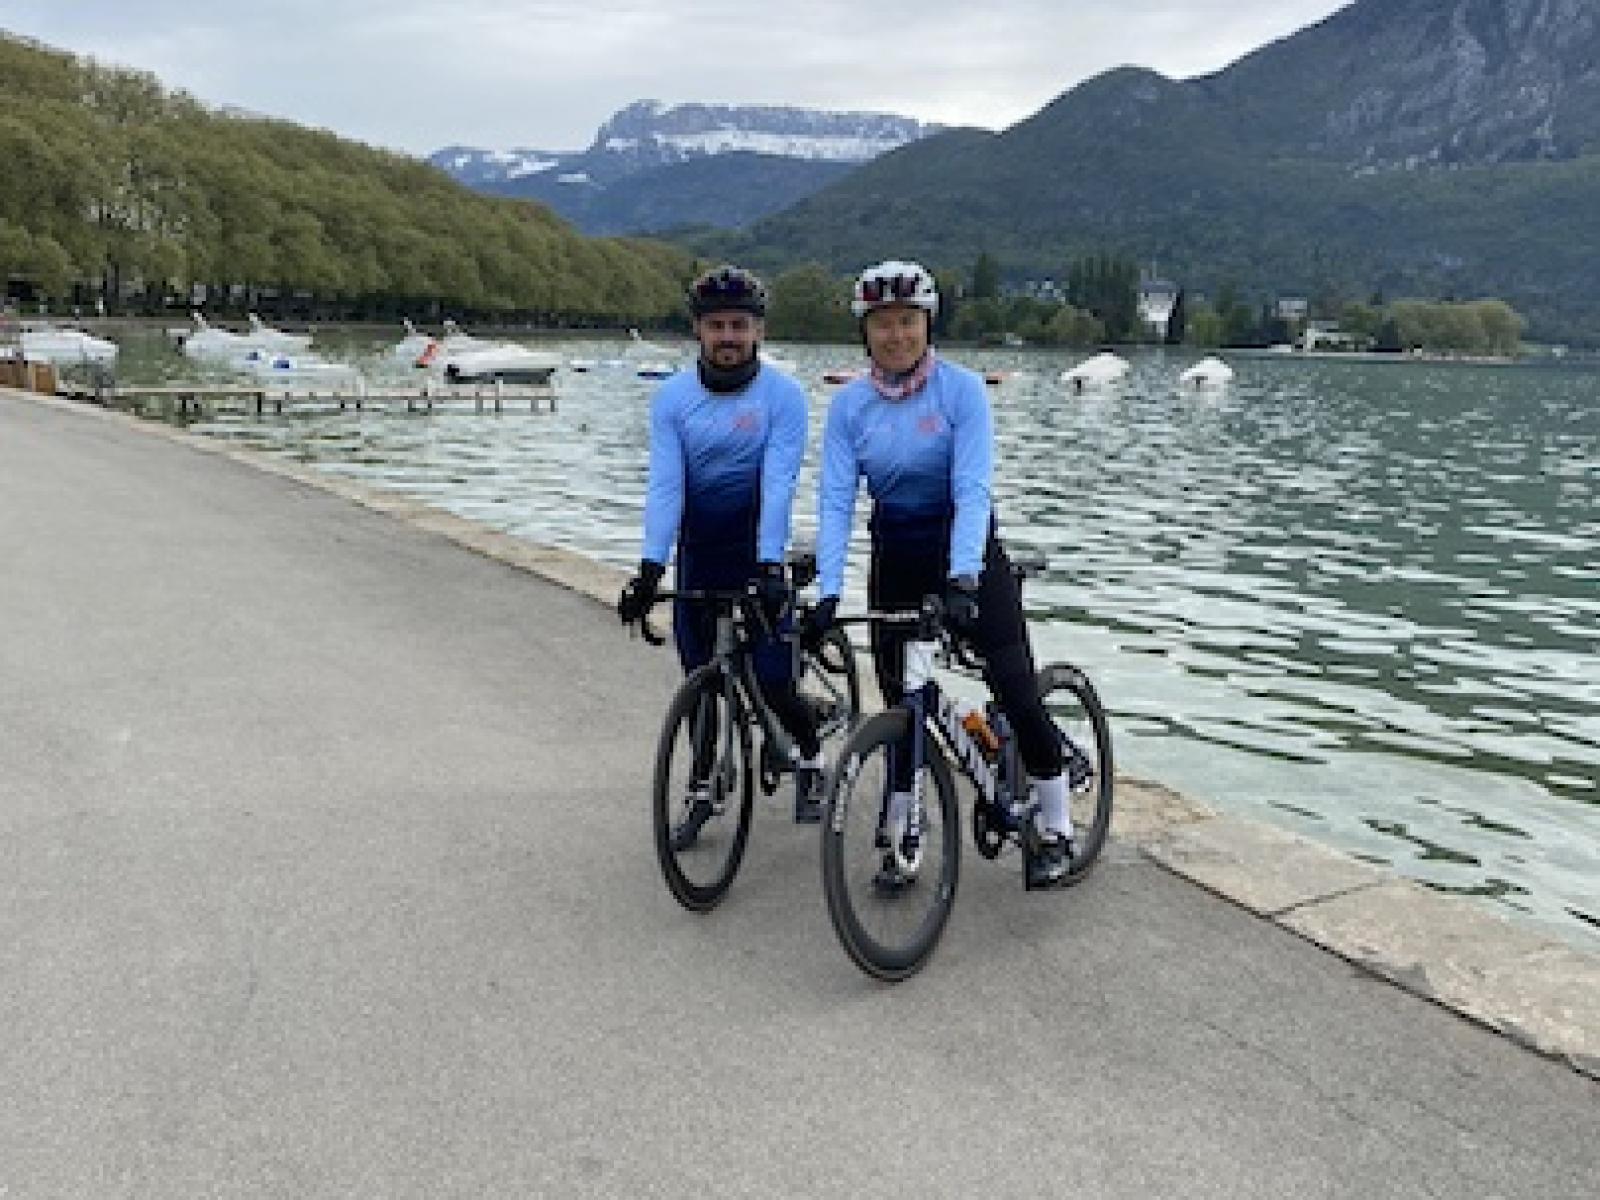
[(717, 460), (927, 457)]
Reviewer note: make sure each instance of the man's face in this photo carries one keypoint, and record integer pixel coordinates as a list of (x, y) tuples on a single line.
[(728, 339)]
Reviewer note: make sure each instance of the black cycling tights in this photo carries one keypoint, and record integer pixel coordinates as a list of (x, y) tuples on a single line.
[(900, 578)]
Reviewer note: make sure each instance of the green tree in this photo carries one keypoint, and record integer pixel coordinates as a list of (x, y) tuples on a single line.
[(1204, 327), (985, 278), (810, 304)]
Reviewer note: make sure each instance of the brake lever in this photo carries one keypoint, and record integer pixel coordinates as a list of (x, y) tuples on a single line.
[(648, 633)]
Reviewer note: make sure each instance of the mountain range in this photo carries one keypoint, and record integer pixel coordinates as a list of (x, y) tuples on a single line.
[(1442, 148), (654, 167)]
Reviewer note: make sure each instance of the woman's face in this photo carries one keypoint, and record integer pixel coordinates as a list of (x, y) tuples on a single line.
[(897, 336)]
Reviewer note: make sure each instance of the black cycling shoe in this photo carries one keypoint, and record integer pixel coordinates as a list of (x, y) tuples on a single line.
[(807, 795), (687, 831), (890, 880), (1050, 862)]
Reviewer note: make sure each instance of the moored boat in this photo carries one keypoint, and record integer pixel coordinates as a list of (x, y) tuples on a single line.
[(63, 346), (1103, 371), (1209, 372)]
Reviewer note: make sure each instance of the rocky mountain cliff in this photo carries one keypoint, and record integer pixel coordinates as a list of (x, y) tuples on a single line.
[(643, 165), (1443, 148), (1427, 82)]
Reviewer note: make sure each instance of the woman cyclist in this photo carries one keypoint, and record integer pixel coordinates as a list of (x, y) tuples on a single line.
[(918, 428)]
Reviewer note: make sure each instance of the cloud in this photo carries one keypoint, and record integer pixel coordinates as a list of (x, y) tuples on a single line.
[(545, 74)]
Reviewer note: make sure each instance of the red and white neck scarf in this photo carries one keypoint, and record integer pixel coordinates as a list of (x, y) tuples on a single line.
[(897, 387)]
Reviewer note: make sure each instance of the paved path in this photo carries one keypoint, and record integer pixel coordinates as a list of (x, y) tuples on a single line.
[(325, 871)]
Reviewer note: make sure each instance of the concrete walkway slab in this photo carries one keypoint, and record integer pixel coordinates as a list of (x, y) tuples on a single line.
[(325, 872)]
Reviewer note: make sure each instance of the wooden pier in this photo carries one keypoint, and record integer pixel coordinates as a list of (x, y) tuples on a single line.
[(208, 399)]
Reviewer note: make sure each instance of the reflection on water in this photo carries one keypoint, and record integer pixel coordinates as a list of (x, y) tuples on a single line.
[(1355, 599)]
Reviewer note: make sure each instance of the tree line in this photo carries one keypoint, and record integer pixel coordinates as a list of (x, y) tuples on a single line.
[(115, 192), (1098, 304)]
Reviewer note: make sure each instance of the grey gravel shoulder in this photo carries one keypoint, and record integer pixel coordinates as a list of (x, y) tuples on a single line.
[(1539, 992)]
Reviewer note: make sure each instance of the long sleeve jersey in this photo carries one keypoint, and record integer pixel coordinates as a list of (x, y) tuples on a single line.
[(926, 458), (714, 459)]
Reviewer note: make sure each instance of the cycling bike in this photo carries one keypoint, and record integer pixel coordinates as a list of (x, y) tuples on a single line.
[(704, 762), (890, 877)]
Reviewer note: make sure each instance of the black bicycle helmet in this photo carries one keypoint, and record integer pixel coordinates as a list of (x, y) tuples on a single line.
[(728, 289)]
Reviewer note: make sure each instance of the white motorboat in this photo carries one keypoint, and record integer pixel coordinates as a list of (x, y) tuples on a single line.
[(1209, 373), (299, 369), (207, 341), (411, 347), (505, 361), (266, 337), (462, 358), (1103, 371), (66, 347), (212, 343)]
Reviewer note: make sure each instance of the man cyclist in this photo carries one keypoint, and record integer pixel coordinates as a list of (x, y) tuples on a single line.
[(726, 442)]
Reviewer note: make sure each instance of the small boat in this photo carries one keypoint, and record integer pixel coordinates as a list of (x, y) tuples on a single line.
[(841, 375), (504, 361), (214, 344), (462, 358), (1209, 372), (206, 341), (410, 348), (298, 368), (1103, 371), (655, 370), (66, 347), (994, 378), (266, 337)]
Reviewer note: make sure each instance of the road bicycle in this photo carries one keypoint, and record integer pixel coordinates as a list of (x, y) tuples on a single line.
[(705, 766), (890, 877)]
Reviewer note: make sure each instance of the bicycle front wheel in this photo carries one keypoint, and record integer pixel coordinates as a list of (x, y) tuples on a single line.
[(1080, 719), (703, 790), (890, 880)]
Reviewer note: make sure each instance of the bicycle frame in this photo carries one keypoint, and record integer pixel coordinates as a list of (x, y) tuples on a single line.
[(731, 657), (934, 712)]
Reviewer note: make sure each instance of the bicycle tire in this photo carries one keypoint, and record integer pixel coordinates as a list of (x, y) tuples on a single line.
[(1077, 713), (696, 875), (850, 851)]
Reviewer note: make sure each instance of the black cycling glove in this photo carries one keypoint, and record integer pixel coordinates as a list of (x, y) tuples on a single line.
[(640, 594)]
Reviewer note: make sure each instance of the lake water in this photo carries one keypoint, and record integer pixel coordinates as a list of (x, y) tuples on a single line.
[(1357, 600)]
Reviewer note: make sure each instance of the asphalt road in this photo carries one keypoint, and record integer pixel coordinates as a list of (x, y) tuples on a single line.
[(325, 870)]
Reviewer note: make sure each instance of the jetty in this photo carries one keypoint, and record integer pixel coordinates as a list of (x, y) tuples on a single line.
[(207, 399)]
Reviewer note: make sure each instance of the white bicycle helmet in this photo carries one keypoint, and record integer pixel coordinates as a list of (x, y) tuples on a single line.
[(895, 282)]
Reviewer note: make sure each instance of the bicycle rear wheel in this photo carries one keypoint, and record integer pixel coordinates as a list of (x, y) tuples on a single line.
[(1080, 718), (888, 923), (831, 682), (703, 790)]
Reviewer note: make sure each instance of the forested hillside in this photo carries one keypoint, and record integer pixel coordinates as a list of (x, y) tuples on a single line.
[(1444, 149), (113, 187)]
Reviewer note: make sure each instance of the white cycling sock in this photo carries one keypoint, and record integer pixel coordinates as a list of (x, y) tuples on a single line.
[(899, 813), (1055, 807), (815, 763)]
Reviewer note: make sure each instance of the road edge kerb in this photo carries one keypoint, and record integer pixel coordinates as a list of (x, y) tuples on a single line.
[(1541, 993)]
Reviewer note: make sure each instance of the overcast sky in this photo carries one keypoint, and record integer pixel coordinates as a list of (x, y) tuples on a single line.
[(544, 74)]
